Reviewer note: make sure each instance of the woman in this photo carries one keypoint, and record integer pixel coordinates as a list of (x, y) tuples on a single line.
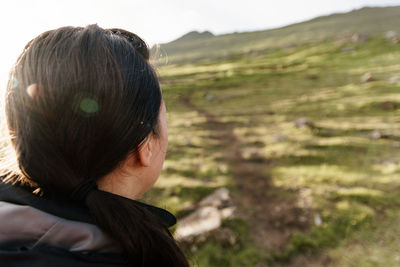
[(87, 122)]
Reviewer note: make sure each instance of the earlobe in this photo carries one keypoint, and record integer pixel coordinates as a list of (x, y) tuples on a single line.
[(145, 153)]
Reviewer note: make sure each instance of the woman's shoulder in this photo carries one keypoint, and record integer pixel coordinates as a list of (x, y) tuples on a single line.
[(31, 236)]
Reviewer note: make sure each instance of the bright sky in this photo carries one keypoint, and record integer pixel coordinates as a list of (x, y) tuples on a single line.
[(156, 21)]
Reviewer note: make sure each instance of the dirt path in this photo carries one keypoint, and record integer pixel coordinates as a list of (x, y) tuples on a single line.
[(272, 212)]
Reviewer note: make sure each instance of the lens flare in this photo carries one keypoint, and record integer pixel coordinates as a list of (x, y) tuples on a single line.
[(89, 105), (31, 90)]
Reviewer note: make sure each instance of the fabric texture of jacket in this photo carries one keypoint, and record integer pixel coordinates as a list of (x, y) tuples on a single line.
[(39, 231)]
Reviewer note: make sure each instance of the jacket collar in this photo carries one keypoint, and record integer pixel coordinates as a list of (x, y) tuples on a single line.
[(65, 208)]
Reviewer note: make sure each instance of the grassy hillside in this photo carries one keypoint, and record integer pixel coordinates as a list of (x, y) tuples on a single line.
[(366, 21), (324, 194)]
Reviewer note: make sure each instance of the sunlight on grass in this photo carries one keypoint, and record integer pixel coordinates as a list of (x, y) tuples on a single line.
[(324, 177), (376, 247), (334, 166)]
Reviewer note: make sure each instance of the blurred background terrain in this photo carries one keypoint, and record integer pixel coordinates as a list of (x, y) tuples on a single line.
[(284, 143), (301, 126)]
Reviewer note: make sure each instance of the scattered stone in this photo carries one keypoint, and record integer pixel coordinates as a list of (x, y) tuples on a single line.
[(394, 79), (317, 220), (279, 138), (303, 122), (367, 77), (216, 199), (376, 134), (206, 220), (392, 37), (201, 221)]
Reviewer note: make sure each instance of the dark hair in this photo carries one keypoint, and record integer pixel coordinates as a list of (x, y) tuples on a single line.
[(96, 100)]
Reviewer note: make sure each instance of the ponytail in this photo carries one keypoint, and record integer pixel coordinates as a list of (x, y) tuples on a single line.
[(142, 230), (142, 234)]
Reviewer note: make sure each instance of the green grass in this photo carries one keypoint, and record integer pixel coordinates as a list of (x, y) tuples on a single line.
[(344, 176), (380, 242), (243, 253)]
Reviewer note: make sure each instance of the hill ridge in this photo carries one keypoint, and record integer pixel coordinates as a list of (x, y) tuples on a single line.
[(366, 21)]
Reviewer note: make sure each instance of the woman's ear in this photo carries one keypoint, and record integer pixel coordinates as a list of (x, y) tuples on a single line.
[(146, 152)]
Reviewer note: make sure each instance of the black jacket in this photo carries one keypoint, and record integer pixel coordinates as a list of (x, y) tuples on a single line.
[(47, 231)]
